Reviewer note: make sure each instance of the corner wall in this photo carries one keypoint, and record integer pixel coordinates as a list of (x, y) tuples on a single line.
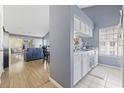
[(60, 44)]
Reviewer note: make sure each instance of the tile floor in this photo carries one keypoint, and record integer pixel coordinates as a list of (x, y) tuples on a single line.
[(101, 77)]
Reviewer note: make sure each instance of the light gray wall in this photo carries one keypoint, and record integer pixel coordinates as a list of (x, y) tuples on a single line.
[(47, 37), (110, 60), (103, 16), (1, 40), (83, 16), (1, 27), (61, 42)]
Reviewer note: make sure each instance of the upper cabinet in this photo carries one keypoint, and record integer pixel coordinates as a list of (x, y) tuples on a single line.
[(77, 24), (81, 29)]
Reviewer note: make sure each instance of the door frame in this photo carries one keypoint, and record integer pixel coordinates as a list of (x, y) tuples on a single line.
[(123, 49)]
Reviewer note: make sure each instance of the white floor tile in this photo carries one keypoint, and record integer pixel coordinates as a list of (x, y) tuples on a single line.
[(112, 85), (98, 81), (96, 85), (102, 77), (81, 86)]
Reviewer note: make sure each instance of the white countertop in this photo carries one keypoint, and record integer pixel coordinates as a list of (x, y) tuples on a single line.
[(81, 52)]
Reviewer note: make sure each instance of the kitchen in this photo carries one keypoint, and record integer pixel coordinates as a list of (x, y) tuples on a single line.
[(88, 69), (85, 55), (86, 46)]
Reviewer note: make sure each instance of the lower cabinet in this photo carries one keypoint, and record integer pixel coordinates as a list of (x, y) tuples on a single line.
[(77, 68), (96, 57), (84, 64)]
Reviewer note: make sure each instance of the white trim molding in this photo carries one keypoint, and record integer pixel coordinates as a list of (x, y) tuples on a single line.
[(1, 71), (119, 68), (55, 83)]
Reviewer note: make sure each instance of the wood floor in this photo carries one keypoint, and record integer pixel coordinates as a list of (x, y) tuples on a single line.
[(25, 75)]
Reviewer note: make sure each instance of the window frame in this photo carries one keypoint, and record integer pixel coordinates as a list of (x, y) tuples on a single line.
[(108, 35)]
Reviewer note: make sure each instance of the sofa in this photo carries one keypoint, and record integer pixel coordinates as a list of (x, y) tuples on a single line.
[(33, 54)]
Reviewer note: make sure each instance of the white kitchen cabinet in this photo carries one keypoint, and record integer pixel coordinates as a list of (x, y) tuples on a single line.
[(90, 32), (84, 64), (96, 57), (87, 30), (88, 60), (81, 29), (77, 68), (77, 25)]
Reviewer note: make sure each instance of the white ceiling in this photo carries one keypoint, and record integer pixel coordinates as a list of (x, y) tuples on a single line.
[(84, 6), (31, 20)]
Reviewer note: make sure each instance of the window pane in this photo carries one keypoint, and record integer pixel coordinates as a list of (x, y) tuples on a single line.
[(112, 43), (110, 31), (115, 31), (109, 43)]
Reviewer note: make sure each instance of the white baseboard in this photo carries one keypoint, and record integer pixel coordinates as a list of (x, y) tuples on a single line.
[(55, 83), (1, 74), (111, 66)]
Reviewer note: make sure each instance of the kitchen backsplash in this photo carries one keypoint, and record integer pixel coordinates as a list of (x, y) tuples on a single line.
[(81, 43)]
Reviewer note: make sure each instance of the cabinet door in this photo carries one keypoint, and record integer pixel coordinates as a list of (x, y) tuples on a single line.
[(86, 30), (77, 24), (77, 68), (96, 57), (83, 28), (89, 55), (84, 64), (90, 32)]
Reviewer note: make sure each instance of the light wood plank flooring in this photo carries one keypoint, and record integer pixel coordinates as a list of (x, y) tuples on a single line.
[(25, 75)]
